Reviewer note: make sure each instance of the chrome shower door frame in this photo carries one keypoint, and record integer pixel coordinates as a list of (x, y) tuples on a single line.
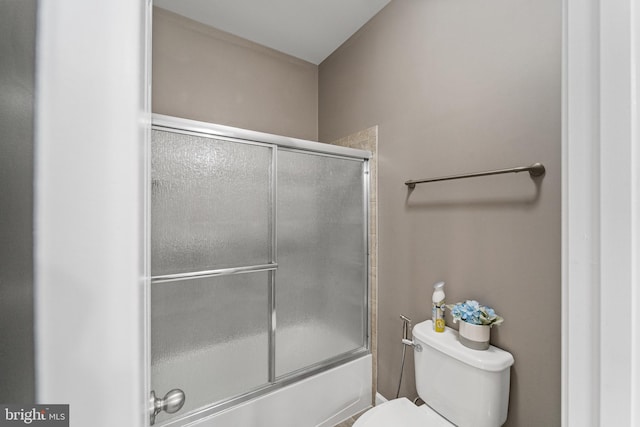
[(275, 142)]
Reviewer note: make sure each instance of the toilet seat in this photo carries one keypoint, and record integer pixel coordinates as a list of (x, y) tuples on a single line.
[(401, 413)]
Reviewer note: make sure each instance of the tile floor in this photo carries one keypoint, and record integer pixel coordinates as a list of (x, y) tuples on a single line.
[(349, 422)]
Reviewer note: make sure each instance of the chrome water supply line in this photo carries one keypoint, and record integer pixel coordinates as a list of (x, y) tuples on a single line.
[(406, 328)]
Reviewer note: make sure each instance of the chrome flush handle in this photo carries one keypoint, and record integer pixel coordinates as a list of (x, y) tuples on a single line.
[(171, 403)]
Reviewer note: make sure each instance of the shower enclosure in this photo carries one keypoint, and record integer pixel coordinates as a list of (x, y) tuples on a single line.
[(259, 263)]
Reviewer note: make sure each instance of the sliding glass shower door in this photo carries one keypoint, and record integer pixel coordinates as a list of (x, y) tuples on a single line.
[(211, 250), (259, 266), (322, 265)]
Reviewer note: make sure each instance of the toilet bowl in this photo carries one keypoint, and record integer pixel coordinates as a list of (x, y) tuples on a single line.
[(459, 385), (401, 413)]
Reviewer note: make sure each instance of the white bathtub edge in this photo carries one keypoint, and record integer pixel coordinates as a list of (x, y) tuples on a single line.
[(322, 400)]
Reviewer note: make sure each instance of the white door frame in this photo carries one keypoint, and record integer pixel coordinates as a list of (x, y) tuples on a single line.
[(91, 132), (92, 126), (601, 214)]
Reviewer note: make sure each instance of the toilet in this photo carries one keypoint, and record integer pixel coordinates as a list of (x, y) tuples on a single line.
[(460, 386)]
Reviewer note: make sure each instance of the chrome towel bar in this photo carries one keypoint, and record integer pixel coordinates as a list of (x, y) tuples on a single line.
[(535, 170)]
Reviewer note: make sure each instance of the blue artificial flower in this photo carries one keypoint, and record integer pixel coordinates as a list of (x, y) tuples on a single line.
[(473, 305), (472, 312)]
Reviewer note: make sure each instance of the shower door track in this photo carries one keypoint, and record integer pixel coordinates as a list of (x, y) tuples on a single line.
[(193, 127)]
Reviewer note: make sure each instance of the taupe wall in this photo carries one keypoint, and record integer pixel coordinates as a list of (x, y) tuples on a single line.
[(205, 74), (462, 86), (17, 83)]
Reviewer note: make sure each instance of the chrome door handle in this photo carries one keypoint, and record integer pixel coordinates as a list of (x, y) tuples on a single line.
[(171, 403)]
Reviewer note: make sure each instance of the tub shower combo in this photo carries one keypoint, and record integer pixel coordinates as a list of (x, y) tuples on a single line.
[(259, 284)]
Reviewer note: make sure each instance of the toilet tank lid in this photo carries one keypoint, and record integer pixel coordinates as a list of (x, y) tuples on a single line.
[(494, 359)]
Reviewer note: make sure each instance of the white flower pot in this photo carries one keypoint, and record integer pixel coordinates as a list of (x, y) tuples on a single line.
[(474, 336)]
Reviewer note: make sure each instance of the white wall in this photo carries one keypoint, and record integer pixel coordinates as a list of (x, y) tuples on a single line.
[(92, 119), (601, 214)]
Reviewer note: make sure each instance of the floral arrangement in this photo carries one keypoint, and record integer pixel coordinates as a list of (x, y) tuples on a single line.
[(472, 312)]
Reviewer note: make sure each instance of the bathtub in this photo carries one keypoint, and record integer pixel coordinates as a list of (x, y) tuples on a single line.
[(322, 400)]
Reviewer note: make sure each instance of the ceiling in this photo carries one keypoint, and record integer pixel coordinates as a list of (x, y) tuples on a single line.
[(307, 29)]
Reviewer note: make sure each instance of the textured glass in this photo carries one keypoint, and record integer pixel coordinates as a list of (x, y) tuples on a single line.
[(321, 277), (210, 205), (209, 337)]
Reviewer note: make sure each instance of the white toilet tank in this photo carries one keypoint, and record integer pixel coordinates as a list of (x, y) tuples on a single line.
[(468, 387)]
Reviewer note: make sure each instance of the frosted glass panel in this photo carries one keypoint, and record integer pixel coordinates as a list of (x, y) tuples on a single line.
[(321, 277), (209, 337), (211, 204)]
